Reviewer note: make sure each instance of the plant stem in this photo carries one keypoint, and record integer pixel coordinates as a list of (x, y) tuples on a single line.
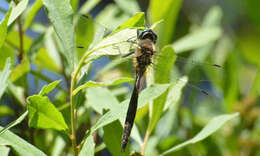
[(72, 105), (72, 116), (147, 135), (74, 76), (20, 29)]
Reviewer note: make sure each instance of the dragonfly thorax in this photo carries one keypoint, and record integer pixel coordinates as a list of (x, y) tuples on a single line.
[(144, 52)]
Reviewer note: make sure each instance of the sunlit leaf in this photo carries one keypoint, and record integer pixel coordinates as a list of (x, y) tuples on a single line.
[(3, 27), (43, 114), (197, 39), (19, 145), (18, 10), (110, 44), (89, 84), (48, 88), (17, 92), (32, 13), (14, 123), (5, 110), (88, 148), (13, 40), (168, 12), (163, 68), (6, 52), (112, 139), (215, 124), (106, 99), (60, 14), (20, 70), (128, 6), (4, 75), (88, 5), (58, 146), (174, 93), (138, 20), (4, 150)]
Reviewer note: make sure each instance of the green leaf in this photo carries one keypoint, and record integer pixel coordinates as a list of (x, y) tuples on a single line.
[(168, 11), (112, 139), (85, 32), (120, 109), (60, 14), (106, 99), (4, 75), (138, 20), (4, 150), (151, 93), (3, 28), (58, 146), (106, 119), (42, 57), (18, 10), (13, 40), (156, 24), (43, 114), (6, 52), (174, 93), (48, 88), (17, 92), (32, 13), (20, 70), (215, 124), (212, 19), (5, 110), (128, 6), (88, 5), (102, 84), (164, 68), (197, 39), (20, 146), (14, 123), (108, 46), (88, 148)]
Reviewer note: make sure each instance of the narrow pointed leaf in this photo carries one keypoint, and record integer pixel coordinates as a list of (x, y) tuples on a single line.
[(162, 75), (215, 124), (14, 123), (102, 84), (48, 88), (4, 75), (32, 13), (17, 10), (88, 148), (60, 14), (138, 20), (197, 39), (3, 27), (20, 146)]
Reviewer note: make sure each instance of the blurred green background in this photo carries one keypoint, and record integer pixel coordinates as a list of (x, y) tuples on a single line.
[(220, 32)]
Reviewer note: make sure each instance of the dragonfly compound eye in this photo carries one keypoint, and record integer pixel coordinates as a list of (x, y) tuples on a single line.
[(147, 34)]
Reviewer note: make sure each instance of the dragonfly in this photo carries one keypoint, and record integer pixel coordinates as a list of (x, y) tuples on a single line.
[(145, 50)]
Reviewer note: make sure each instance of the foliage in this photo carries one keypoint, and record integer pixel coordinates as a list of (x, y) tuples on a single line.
[(57, 99)]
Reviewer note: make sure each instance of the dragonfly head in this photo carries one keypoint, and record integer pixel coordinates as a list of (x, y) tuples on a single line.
[(147, 34)]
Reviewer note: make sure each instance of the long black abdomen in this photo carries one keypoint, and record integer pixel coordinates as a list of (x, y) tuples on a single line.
[(131, 112)]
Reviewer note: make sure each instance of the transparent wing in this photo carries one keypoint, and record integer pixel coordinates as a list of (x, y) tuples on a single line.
[(105, 42)]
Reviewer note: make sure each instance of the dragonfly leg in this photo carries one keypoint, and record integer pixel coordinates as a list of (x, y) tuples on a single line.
[(128, 54), (125, 55), (131, 41)]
